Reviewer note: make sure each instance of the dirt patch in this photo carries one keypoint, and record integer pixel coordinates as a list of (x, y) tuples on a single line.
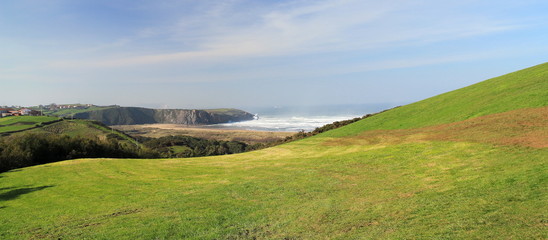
[(85, 225), (124, 212), (361, 225), (523, 127)]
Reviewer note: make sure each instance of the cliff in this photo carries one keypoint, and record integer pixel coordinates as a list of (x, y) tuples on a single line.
[(136, 115)]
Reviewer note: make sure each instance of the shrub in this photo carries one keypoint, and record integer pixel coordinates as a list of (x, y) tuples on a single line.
[(24, 150)]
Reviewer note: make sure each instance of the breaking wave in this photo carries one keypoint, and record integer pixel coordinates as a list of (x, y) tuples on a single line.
[(283, 123), (294, 119)]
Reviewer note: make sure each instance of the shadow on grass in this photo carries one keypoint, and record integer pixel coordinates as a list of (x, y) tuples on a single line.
[(15, 193)]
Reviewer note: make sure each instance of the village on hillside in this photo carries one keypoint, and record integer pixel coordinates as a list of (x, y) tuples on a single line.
[(39, 110), (6, 112), (55, 107)]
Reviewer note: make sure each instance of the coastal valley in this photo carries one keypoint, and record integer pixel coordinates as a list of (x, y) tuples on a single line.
[(466, 164)]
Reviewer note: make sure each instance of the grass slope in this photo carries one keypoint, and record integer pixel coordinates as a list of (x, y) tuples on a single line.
[(454, 180), (10, 124), (82, 128), (526, 88), (71, 111)]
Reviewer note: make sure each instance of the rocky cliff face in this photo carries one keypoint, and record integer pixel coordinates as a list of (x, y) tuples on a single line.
[(133, 115)]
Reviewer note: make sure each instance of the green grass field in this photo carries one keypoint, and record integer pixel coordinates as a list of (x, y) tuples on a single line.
[(71, 111), (10, 124), (430, 170), (229, 111), (82, 128), (523, 89), (180, 149)]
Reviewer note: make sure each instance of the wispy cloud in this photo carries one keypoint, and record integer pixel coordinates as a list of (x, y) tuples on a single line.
[(221, 53), (229, 30)]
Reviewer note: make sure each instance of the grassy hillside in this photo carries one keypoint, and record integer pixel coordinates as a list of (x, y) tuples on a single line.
[(420, 171), (227, 111), (18, 123), (72, 128), (65, 139), (83, 128), (72, 111), (527, 88)]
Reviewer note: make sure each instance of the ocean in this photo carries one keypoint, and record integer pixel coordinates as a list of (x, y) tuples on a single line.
[(294, 119)]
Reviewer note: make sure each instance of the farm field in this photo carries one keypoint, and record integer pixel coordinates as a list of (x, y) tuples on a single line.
[(82, 128), (17, 123), (72, 111), (468, 164)]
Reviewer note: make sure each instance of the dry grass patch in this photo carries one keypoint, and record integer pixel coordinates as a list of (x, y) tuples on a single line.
[(523, 127)]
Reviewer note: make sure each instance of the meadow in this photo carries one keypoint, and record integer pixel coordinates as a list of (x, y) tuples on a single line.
[(468, 164), (72, 111), (18, 123), (309, 189), (83, 128)]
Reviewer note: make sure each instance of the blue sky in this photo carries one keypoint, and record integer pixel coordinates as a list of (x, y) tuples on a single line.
[(237, 53)]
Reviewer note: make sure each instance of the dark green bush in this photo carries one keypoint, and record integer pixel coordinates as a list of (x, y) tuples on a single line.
[(24, 150), (197, 146)]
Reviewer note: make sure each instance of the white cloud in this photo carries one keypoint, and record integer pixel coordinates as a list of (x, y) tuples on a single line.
[(224, 31)]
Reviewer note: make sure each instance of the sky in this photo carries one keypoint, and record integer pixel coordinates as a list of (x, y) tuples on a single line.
[(260, 53)]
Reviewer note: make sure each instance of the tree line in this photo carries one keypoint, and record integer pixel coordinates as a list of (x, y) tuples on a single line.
[(28, 149), (23, 150), (194, 147)]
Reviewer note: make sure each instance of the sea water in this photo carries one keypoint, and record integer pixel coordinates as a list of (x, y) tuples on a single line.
[(294, 119)]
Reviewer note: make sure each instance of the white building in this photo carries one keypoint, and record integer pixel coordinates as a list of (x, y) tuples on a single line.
[(25, 111)]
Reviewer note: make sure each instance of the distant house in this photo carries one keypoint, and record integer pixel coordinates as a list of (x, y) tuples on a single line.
[(4, 112), (52, 107), (35, 113), (25, 111), (71, 106), (14, 113)]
